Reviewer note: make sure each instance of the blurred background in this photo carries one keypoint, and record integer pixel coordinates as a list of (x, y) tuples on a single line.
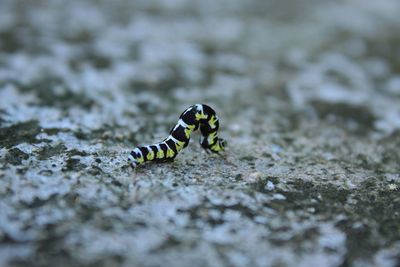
[(308, 96), (336, 58)]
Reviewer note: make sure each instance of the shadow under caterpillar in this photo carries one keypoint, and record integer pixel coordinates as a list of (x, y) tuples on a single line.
[(195, 117)]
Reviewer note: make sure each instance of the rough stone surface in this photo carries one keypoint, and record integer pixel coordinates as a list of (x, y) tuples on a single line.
[(308, 93)]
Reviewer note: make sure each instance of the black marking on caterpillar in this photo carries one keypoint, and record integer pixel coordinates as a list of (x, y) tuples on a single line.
[(195, 117)]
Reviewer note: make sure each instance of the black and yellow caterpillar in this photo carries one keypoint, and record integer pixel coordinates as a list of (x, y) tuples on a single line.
[(196, 116)]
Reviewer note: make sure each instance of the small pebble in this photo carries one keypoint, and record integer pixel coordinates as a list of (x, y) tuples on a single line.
[(393, 187), (270, 186)]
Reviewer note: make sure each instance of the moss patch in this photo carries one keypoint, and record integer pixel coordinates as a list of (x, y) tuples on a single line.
[(370, 213), (24, 132), (15, 156)]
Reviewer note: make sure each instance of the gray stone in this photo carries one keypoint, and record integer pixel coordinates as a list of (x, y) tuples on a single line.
[(306, 92)]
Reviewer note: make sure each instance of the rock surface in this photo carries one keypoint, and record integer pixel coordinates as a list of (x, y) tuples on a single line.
[(308, 94)]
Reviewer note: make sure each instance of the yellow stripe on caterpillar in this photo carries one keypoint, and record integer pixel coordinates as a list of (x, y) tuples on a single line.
[(200, 112), (212, 137), (160, 152), (188, 131), (216, 147), (170, 153), (212, 121), (150, 155), (200, 116), (178, 144), (140, 160)]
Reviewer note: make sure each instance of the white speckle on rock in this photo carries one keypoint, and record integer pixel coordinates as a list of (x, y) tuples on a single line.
[(278, 197), (270, 186)]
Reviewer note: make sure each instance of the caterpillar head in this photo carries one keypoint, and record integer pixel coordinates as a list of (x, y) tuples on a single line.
[(222, 143)]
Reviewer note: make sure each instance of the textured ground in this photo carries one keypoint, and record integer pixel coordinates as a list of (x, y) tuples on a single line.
[(308, 93)]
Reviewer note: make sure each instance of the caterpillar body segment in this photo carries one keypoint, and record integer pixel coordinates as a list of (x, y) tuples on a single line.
[(195, 117)]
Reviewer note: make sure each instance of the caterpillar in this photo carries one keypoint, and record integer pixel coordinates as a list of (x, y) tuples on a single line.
[(195, 117)]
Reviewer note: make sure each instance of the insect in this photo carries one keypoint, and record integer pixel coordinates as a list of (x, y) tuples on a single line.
[(195, 117)]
